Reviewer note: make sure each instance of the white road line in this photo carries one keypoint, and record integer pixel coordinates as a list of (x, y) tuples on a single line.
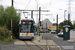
[(56, 44), (56, 36)]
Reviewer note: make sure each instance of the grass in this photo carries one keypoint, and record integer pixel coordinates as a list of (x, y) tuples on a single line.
[(5, 37), (7, 41)]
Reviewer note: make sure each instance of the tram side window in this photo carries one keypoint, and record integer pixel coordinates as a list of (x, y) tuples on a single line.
[(32, 28)]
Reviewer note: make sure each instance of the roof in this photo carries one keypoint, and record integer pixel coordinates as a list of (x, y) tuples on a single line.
[(46, 22), (27, 19), (66, 26)]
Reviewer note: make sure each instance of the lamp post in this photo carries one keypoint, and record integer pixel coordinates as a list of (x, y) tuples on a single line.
[(64, 15)]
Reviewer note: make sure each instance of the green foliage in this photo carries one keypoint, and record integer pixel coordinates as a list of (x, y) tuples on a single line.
[(6, 14), (74, 24), (1, 37), (1, 33), (8, 40), (5, 19), (5, 37), (66, 23), (54, 24)]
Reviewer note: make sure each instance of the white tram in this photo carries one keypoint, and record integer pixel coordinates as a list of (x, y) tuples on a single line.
[(26, 29)]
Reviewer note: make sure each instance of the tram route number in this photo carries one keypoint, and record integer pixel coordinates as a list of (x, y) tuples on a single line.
[(26, 34)]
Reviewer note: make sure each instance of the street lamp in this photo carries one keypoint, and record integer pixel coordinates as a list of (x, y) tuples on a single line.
[(64, 15)]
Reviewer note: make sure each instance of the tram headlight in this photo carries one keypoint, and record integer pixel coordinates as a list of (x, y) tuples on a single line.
[(32, 34), (22, 34)]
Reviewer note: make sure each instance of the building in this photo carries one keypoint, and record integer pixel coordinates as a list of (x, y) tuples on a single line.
[(45, 23)]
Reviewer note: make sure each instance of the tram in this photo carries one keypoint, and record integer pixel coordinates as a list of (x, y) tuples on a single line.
[(26, 29)]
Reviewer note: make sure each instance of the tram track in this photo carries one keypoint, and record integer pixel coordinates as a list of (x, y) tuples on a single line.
[(30, 46), (47, 38), (33, 45), (38, 46), (49, 47), (57, 45), (41, 48)]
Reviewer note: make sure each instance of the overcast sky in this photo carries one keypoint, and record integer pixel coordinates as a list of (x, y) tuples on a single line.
[(53, 5)]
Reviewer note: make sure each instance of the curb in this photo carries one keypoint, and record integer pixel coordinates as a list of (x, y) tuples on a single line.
[(71, 41)]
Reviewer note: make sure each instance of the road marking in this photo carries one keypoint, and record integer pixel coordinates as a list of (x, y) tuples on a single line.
[(56, 44), (56, 36)]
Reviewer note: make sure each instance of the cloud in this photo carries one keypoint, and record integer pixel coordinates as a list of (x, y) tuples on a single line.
[(44, 4), (1, 0), (5, 3)]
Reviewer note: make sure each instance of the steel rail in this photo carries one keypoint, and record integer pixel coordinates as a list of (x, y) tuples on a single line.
[(38, 45), (29, 46), (47, 44)]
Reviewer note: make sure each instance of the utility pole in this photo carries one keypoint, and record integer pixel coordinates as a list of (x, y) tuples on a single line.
[(69, 11), (12, 2), (11, 29), (46, 27), (32, 14), (57, 23), (11, 23), (64, 16), (39, 24)]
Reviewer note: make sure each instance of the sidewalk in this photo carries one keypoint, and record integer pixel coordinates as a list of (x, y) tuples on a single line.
[(43, 42)]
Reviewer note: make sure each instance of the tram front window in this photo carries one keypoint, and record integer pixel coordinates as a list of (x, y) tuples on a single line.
[(27, 28)]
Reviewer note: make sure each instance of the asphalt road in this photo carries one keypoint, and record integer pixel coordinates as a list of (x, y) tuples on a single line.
[(24, 47), (63, 44)]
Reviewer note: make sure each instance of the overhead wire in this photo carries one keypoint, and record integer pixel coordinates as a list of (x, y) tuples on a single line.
[(36, 0), (28, 4), (50, 3), (18, 3), (22, 3)]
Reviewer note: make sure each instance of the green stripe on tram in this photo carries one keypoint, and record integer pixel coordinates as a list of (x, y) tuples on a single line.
[(26, 25)]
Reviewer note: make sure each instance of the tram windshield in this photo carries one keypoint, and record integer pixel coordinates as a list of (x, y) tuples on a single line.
[(27, 27)]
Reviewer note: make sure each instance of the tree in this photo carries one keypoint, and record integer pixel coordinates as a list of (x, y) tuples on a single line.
[(66, 23), (5, 18), (54, 24), (73, 24), (2, 16), (12, 14)]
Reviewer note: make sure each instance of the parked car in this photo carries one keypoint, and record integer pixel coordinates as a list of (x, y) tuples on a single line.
[(41, 31), (60, 34), (53, 31), (46, 31), (72, 30)]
